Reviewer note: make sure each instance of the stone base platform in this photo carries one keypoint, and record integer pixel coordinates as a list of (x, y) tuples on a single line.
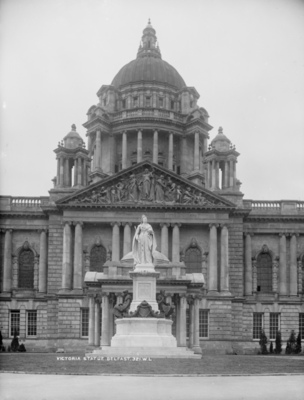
[(143, 332), (152, 352)]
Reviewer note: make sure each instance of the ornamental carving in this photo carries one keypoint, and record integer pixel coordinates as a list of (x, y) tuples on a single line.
[(147, 185)]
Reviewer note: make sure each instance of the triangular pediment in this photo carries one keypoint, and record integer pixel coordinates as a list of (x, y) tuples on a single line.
[(145, 184)]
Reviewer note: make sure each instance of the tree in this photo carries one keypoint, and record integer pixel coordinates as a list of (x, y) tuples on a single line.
[(292, 342), (298, 344), (263, 342), (15, 342), (278, 343), (271, 348)]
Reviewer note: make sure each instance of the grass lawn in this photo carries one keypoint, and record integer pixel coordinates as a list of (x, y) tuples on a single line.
[(50, 363)]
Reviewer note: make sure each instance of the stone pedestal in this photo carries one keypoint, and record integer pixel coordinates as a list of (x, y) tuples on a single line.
[(144, 286)]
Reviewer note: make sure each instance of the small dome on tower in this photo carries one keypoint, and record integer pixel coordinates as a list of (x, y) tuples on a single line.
[(73, 140), (220, 142)]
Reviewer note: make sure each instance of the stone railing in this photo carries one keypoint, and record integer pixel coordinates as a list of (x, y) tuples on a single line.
[(22, 202), (282, 207), (153, 112)]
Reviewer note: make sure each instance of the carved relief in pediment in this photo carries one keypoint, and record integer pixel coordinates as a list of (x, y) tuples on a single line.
[(147, 185)]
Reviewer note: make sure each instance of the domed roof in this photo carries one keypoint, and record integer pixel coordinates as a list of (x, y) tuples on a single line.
[(148, 66), (221, 142), (150, 69)]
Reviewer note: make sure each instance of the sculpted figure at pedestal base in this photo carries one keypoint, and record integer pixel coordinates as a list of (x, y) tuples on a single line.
[(144, 243)]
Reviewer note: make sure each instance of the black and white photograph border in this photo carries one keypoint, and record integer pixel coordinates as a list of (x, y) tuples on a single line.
[(151, 206)]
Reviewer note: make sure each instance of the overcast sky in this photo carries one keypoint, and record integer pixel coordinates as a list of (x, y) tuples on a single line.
[(244, 57)]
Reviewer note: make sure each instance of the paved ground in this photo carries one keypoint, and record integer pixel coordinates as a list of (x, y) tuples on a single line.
[(47, 363), (51, 387)]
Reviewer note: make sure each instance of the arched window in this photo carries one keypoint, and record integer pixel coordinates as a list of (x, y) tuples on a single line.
[(98, 257), (193, 258), (264, 271), (26, 268)]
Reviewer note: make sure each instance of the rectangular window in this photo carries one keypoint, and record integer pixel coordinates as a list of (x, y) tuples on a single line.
[(84, 322), (301, 325), (161, 102), (135, 101), (172, 105), (257, 325), (14, 322), (123, 104), (148, 101), (203, 323), (274, 325), (32, 323)]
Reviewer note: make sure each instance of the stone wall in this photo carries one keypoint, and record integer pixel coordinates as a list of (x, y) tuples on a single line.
[(55, 248), (236, 258)]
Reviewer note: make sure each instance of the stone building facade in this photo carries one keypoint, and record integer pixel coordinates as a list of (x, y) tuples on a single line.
[(230, 265)]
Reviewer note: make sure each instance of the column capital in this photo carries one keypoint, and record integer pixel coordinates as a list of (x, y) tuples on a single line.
[(213, 224), (296, 234), (104, 294), (248, 234), (70, 223), (182, 295), (78, 223), (225, 225), (198, 297), (281, 234), (190, 299), (45, 230), (115, 223), (4, 230), (156, 130), (176, 224), (167, 224), (139, 130), (127, 223)]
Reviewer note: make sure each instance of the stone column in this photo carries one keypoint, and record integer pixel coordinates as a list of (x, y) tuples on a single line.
[(191, 320), (217, 174), (98, 152), (170, 152), (7, 267), (224, 260), (78, 258), (139, 145), (155, 147), (124, 150), (248, 265), (112, 142), (196, 344), (42, 284), (213, 258), (177, 318), (67, 257), (293, 266), (300, 282), (175, 243), (75, 171), (164, 239), (231, 174), (115, 241), (58, 172), (234, 174), (79, 178), (184, 155), (61, 183), (66, 172), (97, 323), (254, 275), (205, 148), (182, 321), (226, 174), (91, 320), (283, 266), (196, 152), (275, 264), (127, 243), (213, 174), (105, 320)]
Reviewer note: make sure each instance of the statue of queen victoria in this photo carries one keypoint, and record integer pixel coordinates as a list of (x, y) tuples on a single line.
[(144, 243)]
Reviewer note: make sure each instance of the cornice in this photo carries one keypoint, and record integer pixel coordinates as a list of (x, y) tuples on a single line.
[(274, 218)]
